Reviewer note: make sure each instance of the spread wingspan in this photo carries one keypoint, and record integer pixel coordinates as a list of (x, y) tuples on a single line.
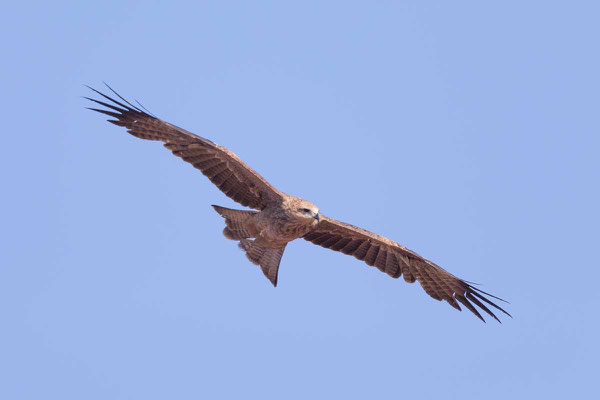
[(244, 185)]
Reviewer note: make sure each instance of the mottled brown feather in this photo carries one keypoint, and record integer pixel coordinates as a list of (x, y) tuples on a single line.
[(244, 185), (396, 260)]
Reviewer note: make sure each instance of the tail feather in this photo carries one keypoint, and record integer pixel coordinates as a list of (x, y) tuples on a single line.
[(238, 228), (235, 220), (267, 258)]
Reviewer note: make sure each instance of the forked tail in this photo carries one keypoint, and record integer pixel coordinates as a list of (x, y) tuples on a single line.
[(237, 229), (267, 258)]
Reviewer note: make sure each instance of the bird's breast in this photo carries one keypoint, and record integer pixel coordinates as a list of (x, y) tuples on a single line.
[(277, 228)]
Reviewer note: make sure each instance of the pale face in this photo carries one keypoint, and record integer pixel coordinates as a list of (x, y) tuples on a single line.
[(307, 210)]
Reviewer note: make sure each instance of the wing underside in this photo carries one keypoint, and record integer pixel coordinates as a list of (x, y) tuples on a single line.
[(396, 260)]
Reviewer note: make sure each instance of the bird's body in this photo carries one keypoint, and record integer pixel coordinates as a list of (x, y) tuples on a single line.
[(271, 227), (283, 222), (280, 218)]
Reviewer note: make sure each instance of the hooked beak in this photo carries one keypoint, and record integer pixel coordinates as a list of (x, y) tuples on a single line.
[(318, 217)]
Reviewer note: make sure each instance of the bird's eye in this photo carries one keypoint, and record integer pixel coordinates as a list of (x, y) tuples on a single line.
[(305, 210)]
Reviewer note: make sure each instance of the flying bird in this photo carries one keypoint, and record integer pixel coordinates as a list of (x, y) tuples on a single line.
[(279, 218)]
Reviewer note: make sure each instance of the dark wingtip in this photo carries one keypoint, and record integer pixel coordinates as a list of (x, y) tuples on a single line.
[(489, 294), (479, 304), (124, 107), (470, 306), (122, 98), (110, 99), (144, 108), (496, 306), (478, 297)]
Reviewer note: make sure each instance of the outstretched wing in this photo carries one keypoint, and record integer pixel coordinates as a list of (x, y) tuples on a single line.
[(396, 260), (226, 170)]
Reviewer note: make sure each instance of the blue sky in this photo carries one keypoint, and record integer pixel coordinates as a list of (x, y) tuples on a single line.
[(467, 132)]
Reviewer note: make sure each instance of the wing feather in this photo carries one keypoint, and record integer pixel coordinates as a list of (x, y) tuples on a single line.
[(226, 170), (396, 260)]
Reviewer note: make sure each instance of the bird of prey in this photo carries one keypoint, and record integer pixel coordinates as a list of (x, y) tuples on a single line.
[(280, 218)]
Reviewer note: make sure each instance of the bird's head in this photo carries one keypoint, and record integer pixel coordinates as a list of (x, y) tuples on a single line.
[(305, 210)]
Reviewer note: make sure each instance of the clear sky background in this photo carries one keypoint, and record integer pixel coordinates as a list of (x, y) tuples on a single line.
[(466, 131)]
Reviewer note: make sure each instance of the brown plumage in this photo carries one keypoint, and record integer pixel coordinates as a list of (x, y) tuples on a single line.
[(281, 218)]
